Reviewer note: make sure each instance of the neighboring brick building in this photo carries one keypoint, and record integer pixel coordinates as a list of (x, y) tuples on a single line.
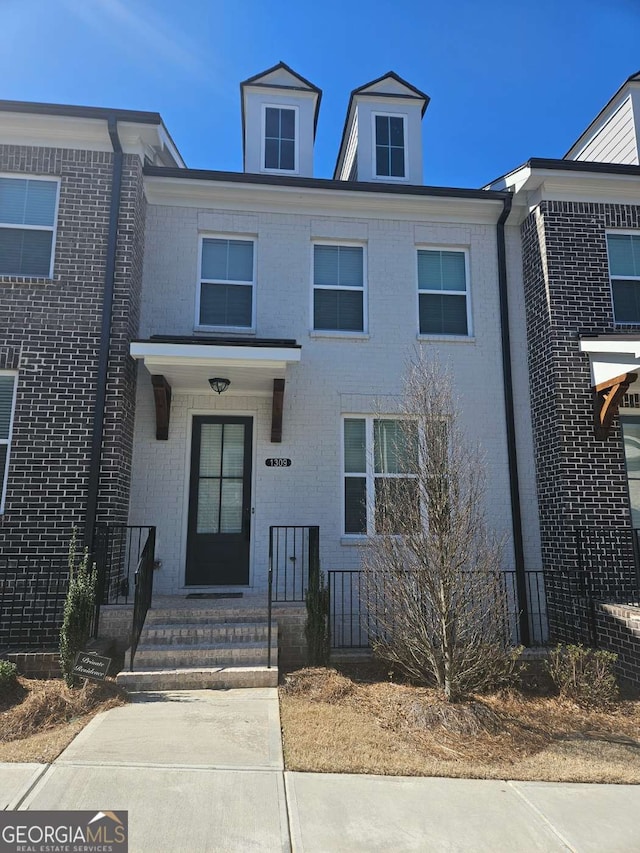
[(55, 208)]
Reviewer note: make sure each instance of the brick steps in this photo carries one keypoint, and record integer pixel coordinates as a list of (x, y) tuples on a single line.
[(186, 648)]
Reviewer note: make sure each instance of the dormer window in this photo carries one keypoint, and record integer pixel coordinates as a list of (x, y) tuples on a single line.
[(279, 139), (390, 142)]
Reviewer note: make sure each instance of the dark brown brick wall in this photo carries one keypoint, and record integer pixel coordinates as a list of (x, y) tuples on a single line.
[(580, 481), (50, 332), (619, 632)]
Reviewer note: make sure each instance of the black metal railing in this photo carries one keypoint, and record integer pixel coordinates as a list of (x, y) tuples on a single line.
[(352, 623), (294, 565), (608, 561), (143, 581), (32, 594)]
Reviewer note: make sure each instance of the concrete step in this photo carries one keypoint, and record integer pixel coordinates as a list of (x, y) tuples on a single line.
[(205, 615), (166, 633), (172, 655), (198, 678)]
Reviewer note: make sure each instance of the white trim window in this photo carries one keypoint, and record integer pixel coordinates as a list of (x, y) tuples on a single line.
[(338, 288), (225, 293), (389, 146), (8, 385), (279, 138), (377, 461), (443, 292), (28, 211), (624, 271)]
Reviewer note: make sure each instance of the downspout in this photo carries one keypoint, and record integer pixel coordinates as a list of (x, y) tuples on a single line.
[(514, 490), (105, 335)]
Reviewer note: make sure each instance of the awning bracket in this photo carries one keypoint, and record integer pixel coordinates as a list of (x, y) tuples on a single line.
[(162, 397), (607, 397)]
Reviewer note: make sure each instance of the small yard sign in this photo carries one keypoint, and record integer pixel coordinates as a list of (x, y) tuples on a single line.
[(91, 665)]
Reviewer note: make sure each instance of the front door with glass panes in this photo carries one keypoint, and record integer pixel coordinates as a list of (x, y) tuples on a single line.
[(219, 502)]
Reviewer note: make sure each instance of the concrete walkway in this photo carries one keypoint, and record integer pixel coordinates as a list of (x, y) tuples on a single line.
[(203, 771)]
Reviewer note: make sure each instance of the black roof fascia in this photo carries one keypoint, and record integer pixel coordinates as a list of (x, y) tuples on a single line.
[(283, 343), (323, 183), (572, 166), (70, 111), (251, 81), (633, 78), (359, 91)]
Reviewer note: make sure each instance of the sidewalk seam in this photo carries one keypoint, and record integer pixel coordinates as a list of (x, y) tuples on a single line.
[(21, 797), (512, 784)]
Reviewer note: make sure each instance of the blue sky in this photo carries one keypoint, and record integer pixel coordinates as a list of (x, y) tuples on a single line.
[(508, 79)]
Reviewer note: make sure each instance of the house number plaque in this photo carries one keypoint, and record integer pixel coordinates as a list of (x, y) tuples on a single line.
[(278, 463)]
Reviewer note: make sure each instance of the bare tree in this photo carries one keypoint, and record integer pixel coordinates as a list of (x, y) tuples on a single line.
[(434, 592)]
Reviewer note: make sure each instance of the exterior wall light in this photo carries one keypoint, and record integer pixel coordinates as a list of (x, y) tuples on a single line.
[(219, 385)]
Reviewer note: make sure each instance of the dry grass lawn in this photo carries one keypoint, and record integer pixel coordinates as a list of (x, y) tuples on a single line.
[(335, 723), (38, 719)]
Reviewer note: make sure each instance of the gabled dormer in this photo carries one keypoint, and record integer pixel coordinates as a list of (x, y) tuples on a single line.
[(382, 136), (279, 118), (614, 135)]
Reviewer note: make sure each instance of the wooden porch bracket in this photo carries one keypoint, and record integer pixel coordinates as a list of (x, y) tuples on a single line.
[(606, 401), (276, 410), (162, 397)]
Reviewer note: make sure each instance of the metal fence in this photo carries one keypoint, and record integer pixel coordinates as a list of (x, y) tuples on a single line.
[(117, 549), (352, 623), (32, 595)]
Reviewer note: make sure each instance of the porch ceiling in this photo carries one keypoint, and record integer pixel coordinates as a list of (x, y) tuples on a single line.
[(250, 366), (611, 356)]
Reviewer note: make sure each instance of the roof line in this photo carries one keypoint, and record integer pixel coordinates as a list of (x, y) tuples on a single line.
[(276, 67), (322, 183), (633, 78), (72, 111), (572, 166)]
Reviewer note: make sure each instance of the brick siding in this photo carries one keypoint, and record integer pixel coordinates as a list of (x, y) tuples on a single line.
[(619, 631), (50, 333)]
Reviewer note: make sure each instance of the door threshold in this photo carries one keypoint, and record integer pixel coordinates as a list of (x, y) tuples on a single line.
[(214, 595)]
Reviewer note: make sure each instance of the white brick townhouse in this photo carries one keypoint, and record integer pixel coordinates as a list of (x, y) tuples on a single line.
[(304, 298)]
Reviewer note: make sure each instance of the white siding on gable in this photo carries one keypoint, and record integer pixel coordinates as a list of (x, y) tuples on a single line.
[(389, 86), (615, 140), (281, 77)]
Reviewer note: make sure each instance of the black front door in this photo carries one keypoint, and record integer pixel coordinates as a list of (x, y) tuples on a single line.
[(219, 502)]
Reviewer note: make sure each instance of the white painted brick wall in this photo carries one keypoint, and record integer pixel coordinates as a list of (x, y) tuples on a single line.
[(334, 373)]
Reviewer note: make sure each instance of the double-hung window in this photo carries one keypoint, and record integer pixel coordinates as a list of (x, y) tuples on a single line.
[(27, 226), (227, 283), (624, 269), (338, 288), (380, 461), (390, 148), (279, 139), (7, 405), (443, 292)]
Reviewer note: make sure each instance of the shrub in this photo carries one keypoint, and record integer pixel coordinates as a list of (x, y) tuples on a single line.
[(585, 676), (8, 675), (78, 610), (316, 629)]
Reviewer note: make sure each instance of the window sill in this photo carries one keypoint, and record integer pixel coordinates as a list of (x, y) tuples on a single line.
[(25, 279), (355, 539), (451, 339), (228, 330), (344, 336)]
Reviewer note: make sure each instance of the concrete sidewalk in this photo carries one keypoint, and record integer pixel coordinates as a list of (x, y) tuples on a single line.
[(203, 771)]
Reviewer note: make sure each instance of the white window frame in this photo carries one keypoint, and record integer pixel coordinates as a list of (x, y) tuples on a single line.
[(296, 142), (221, 328), (620, 233), (53, 228), (405, 123), (466, 293), (370, 474), (340, 333), (7, 442)]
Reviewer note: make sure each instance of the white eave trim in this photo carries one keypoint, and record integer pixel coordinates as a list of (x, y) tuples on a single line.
[(198, 354), (611, 357)]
